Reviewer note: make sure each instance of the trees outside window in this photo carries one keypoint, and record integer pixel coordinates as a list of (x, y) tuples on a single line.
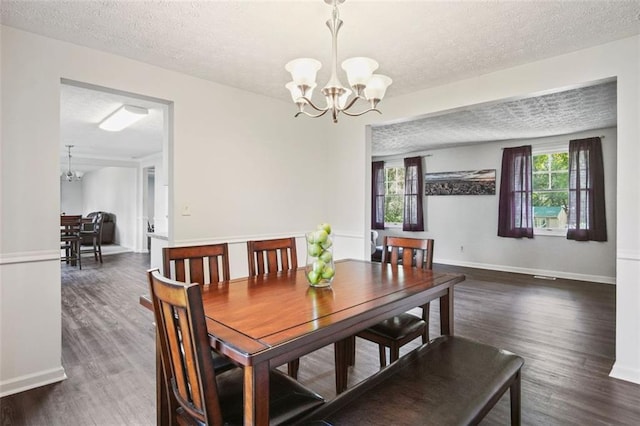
[(550, 196), (394, 195)]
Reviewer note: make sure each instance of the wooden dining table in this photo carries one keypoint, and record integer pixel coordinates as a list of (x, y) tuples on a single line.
[(265, 321)]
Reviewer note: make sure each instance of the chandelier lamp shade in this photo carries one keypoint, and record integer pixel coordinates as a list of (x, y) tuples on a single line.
[(123, 117), (69, 175), (365, 85)]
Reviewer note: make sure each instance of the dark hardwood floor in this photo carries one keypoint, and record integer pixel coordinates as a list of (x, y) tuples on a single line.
[(565, 331)]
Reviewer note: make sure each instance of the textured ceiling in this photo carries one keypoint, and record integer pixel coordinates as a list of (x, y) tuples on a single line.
[(592, 107), (245, 44)]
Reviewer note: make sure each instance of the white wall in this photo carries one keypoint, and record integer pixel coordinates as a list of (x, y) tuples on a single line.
[(620, 60), (240, 161), (471, 221), (71, 197), (114, 190)]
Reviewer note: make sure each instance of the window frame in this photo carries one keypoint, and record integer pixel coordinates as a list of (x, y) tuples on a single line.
[(541, 150)]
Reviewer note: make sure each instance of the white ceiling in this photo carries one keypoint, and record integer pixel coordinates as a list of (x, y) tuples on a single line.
[(245, 44), (82, 109)]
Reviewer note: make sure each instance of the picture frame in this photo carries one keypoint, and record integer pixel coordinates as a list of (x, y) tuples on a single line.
[(466, 182)]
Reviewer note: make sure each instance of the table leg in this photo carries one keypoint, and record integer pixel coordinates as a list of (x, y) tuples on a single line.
[(256, 394), (342, 356), (446, 313)]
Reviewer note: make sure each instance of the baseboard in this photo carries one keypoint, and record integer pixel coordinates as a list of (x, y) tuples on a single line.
[(29, 256), (31, 381), (529, 271), (623, 373)]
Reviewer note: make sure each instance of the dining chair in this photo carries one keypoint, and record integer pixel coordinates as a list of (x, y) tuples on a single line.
[(395, 332), (266, 256), (202, 264), (197, 393), (70, 239), (94, 235)]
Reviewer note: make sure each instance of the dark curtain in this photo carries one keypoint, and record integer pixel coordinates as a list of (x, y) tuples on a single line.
[(515, 212), (377, 195), (413, 219), (587, 221)]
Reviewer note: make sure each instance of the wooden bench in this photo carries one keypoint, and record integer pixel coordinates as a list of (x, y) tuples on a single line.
[(448, 381)]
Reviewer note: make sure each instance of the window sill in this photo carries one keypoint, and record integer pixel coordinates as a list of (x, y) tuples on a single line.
[(550, 233), (392, 226)]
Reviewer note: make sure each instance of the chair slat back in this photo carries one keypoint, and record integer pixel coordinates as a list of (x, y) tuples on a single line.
[(268, 256), (192, 259), (414, 250), (184, 347), (70, 224)]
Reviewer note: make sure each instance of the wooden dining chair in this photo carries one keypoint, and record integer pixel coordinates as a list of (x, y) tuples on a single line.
[(94, 235), (266, 256), (197, 394), (395, 332), (70, 239), (202, 264)]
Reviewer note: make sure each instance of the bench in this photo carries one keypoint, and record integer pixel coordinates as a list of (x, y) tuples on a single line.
[(448, 381)]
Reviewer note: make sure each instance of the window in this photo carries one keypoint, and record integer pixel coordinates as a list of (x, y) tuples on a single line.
[(550, 197), (393, 195)]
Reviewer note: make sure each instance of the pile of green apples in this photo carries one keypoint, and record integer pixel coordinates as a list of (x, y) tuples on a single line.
[(318, 249)]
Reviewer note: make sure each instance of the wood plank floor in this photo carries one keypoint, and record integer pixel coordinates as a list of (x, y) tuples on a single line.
[(565, 331)]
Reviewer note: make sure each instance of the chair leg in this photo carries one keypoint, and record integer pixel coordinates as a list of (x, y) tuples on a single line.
[(95, 250), (100, 251), (514, 391), (293, 367), (383, 355), (425, 317)]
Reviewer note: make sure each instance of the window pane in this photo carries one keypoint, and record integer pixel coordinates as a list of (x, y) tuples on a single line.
[(560, 180), (393, 209), (540, 181), (540, 163), (560, 161)]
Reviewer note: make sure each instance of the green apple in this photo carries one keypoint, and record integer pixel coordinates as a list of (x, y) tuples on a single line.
[(311, 237), (328, 273), (314, 250), (321, 236), (326, 243), (326, 256), (326, 227), (318, 265), (313, 277)]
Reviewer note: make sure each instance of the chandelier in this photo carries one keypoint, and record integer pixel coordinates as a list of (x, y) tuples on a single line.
[(366, 86), (70, 176)]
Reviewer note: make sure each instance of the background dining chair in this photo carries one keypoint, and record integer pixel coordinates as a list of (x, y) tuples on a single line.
[(198, 394), (272, 256), (203, 264), (266, 256), (395, 332), (93, 233), (70, 239)]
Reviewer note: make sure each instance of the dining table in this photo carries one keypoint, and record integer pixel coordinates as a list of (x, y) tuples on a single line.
[(264, 321)]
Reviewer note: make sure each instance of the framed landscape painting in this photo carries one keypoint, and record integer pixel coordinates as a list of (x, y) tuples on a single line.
[(468, 182)]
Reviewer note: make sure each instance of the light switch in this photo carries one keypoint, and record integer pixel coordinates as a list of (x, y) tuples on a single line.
[(186, 210)]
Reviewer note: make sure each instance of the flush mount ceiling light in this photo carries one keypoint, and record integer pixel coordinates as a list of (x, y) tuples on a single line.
[(69, 175), (124, 116), (366, 85)]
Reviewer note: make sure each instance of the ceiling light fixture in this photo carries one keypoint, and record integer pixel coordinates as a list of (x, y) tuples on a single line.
[(123, 117), (366, 85), (70, 176)]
